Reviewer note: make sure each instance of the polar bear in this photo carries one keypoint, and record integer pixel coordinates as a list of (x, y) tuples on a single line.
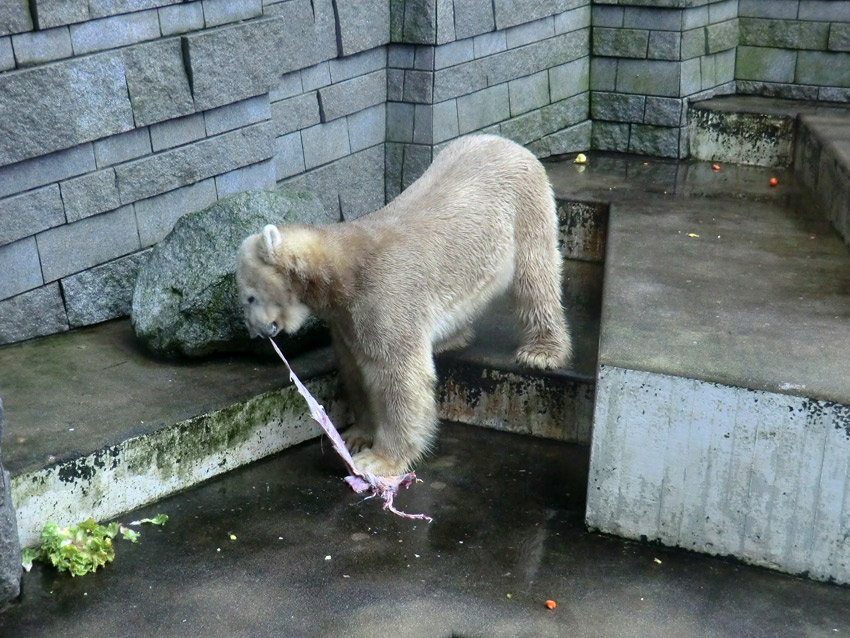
[(408, 280)]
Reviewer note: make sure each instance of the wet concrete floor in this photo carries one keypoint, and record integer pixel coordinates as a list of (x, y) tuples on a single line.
[(312, 559)]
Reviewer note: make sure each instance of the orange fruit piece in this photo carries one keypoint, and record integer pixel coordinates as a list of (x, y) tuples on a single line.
[(550, 604), (773, 181)]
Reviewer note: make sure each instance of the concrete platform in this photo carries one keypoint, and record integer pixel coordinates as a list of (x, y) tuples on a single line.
[(311, 559)]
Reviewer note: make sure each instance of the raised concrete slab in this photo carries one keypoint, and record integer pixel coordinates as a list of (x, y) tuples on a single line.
[(722, 418), (507, 535)]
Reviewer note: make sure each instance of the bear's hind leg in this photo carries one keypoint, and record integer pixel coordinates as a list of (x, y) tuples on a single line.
[(361, 434), (536, 288), (405, 410)]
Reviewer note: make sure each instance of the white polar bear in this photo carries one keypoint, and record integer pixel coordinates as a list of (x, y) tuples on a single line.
[(408, 280)]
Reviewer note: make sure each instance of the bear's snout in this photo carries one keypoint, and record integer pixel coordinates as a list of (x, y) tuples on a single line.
[(269, 331)]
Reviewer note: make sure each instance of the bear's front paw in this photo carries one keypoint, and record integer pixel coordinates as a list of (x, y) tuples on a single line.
[(541, 356), (379, 465), (358, 438)]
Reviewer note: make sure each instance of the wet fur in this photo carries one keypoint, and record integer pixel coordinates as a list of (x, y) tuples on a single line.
[(409, 279)]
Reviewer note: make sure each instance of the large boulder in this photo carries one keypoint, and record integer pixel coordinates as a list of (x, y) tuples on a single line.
[(185, 303), (10, 549)]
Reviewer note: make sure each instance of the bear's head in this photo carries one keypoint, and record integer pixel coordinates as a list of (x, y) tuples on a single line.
[(272, 273)]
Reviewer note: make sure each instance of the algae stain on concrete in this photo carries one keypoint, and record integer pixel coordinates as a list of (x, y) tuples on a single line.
[(743, 138)]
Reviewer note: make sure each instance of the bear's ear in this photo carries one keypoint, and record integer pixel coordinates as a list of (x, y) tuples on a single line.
[(271, 241)]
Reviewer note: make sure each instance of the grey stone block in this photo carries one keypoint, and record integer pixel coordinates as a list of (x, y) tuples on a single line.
[(289, 156), (603, 74), (569, 79), (7, 57), (325, 143), (473, 17), (90, 194), (664, 111), (826, 10), (523, 129), (610, 136), (401, 56), (234, 62), (367, 128), (360, 179), (54, 13), (833, 94), (764, 64), (157, 81), (693, 43), (417, 158), (219, 12), (259, 176), (648, 77), (724, 67), (565, 113), (46, 169), (353, 95), (780, 9), (445, 21), (839, 37), (103, 8), (515, 63), (510, 13), (56, 106), (323, 183), (237, 115), (658, 141), (21, 268), (483, 108), (30, 213), (414, 23), (178, 167), (722, 11), (423, 58), (823, 69), (664, 45), (695, 17), (461, 79), (621, 43), (307, 34), (528, 93), (15, 17), (773, 89), (530, 32), (400, 117), (489, 43), (691, 76), (156, 216), (607, 16), (423, 124), (358, 64), (171, 133), (123, 147), (721, 36), (652, 18), (616, 107), (362, 24), (393, 162), (117, 31), (707, 71), (68, 249), (315, 77), (102, 293), (295, 113), (569, 140), (445, 124), (181, 18), (454, 53), (419, 86), (288, 86), (787, 34), (573, 20), (38, 47), (16, 315), (395, 85)]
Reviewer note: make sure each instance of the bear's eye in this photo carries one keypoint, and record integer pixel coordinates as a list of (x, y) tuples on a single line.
[(250, 299)]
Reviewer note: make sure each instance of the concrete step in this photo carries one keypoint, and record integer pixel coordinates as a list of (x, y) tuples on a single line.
[(722, 407)]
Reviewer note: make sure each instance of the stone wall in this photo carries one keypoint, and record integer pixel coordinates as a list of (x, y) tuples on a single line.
[(118, 117), (650, 62), (796, 49)]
